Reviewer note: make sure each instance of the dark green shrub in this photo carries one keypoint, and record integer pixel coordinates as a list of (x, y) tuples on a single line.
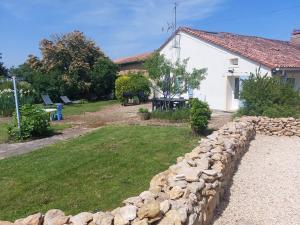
[(179, 115), (143, 110), (200, 114), (34, 122), (132, 84), (268, 96)]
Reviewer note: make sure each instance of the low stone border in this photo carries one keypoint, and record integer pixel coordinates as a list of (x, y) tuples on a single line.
[(189, 191)]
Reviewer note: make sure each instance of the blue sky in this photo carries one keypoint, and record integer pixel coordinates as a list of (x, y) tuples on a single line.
[(123, 28)]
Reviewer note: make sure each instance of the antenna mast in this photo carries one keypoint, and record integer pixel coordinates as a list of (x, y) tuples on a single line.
[(175, 19)]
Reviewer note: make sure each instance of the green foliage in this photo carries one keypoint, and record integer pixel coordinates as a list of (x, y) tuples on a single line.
[(7, 101), (268, 96), (34, 122), (133, 84), (200, 114), (143, 110), (173, 79), (179, 115), (71, 65), (3, 69), (103, 77)]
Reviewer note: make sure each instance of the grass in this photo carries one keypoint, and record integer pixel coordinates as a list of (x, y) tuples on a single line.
[(93, 172), (77, 109), (180, 115)]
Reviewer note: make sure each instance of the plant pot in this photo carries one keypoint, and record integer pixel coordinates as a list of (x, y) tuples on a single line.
[(144, 116)]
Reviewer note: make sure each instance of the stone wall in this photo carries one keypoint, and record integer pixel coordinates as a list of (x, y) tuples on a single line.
[(189, 191), (276, 126)]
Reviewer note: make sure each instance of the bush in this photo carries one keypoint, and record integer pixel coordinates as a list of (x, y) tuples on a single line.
[(179, 115), (200, 114), (133, 84), (268, 96), (34, 122), (143, 110)]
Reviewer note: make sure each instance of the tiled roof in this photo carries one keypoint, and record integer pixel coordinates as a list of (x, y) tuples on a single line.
[(133, 59), (268, 52)]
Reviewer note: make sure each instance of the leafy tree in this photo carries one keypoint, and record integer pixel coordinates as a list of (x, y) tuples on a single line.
[(68, 61), (173, 78), (268, 96), (103, 77), (3, 69)]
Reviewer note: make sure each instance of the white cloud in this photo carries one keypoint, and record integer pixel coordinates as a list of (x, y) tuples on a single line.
[(121, 27)]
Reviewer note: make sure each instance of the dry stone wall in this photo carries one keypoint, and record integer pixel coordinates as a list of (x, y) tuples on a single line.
[(189, 191)]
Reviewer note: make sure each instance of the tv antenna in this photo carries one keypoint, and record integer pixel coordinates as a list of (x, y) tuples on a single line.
[(172, 26)]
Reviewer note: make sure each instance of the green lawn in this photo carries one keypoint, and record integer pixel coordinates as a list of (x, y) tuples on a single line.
[(93, 172), (76, 109)]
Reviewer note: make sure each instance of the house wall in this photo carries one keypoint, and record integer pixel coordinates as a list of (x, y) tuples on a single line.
[(217, 88)]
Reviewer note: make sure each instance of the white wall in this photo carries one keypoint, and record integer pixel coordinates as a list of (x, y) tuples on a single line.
[(216, 88)]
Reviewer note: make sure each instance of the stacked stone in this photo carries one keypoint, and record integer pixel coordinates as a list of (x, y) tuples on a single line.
[(186, 193), (276, 126)]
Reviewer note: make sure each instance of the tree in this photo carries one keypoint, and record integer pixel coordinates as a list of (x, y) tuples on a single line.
[(103, 77), (173, 78), (3, 69), (70, 58)]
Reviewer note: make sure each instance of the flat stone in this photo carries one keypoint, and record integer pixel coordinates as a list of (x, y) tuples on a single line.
[(203, 163), (158, 181), (55, 217), (102, 218), (141, 222), (164, 206), (128, 212), (119, 220), (171, 218), (196, 186), (210, 172), (137, 201), (176, 192), (35, 219), (82, 218), (149, 210)]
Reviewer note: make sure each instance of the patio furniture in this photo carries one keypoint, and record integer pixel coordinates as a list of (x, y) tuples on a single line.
[(173, 103), (66, 100), (58, 115), (47, 100), (51, 113)]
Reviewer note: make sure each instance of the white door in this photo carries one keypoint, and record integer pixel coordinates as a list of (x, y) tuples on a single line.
[(236, 85)]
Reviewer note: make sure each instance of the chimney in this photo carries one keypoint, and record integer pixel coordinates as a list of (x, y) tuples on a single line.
[(295, 38)]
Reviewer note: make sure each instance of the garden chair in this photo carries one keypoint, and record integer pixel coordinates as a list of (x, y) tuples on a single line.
[(47, 100), (66, 100)]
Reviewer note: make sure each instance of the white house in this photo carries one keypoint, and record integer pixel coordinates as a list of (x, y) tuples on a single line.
[(230, 58)]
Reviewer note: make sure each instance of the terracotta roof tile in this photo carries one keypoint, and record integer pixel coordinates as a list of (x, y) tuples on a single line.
[(133, 59), (268, 52)]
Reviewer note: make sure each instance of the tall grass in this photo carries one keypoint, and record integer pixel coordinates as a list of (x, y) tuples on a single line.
[(7, 101), (179, 115)]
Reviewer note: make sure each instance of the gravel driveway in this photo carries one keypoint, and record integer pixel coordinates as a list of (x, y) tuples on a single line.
[(266, 187)]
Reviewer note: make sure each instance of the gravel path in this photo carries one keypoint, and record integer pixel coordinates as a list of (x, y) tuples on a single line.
[(266, 187)]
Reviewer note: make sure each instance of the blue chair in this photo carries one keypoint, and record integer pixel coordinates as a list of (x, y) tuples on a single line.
[(59, 115)]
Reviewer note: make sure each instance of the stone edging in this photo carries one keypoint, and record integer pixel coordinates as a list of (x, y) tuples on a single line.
[(189, 191)]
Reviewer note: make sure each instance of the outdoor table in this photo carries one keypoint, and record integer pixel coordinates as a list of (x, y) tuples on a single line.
[(51, 112), (159, 103)]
